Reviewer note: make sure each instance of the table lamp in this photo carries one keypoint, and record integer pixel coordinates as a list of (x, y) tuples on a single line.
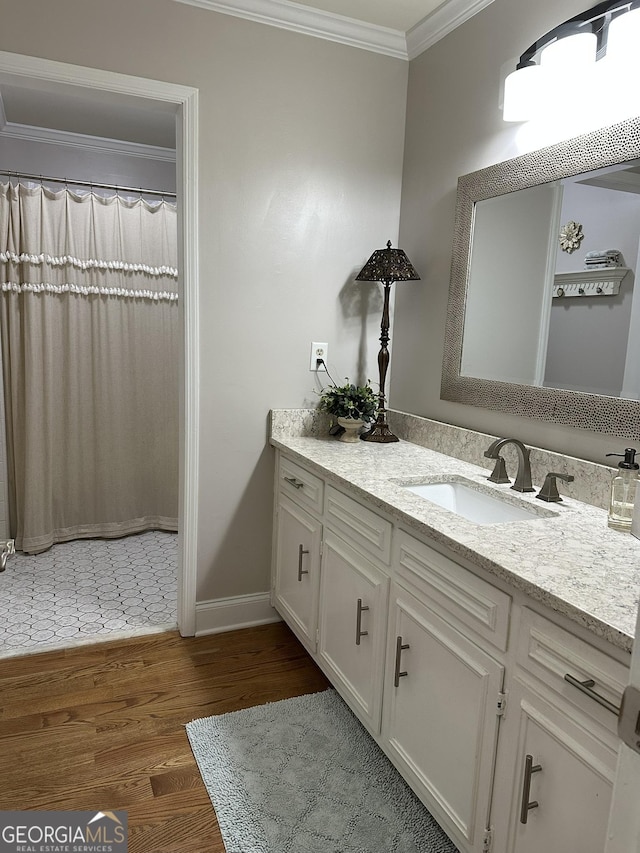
[(385, 265)]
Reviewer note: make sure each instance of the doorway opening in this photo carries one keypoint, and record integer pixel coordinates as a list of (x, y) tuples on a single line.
[(121, 92)]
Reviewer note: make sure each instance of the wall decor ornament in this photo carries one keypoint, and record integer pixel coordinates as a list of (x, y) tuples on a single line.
[(571, 236)]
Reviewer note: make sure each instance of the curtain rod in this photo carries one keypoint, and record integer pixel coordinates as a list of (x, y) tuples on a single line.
[(42, 178)]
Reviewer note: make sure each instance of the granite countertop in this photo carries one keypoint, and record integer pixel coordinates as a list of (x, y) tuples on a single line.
[(567, 559)]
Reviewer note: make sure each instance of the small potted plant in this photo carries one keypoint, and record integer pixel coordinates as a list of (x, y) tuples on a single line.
[(352, 406)]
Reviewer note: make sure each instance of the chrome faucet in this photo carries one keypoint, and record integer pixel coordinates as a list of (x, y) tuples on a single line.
[(523, 477)]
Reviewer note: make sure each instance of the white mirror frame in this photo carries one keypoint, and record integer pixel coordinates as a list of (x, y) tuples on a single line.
[(594, 150)]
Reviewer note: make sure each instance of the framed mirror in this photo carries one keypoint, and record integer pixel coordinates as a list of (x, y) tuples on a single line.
[(540, 326)]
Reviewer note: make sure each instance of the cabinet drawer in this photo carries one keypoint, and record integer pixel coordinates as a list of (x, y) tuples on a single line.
[(473, 601), (550, 653), (359, 525), (304, 488)]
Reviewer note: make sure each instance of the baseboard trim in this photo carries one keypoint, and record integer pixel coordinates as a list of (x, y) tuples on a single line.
[(229, 614)]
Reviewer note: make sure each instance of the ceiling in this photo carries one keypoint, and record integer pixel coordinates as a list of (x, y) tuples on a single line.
[(624, 178), (399, 28), (80, 112)]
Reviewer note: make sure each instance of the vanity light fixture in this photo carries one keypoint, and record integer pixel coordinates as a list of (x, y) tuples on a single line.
[(385, 265), (594, 52)]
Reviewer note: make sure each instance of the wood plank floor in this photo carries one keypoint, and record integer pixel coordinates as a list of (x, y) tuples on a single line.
[(102, 726)]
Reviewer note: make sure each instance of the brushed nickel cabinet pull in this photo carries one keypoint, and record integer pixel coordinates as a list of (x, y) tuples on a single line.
[(529, 769), (400, 647), (301, 553), (295, 483), (629, 720), (586, 688), (359, 632)]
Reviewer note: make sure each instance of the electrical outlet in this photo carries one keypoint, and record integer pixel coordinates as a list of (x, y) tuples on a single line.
[(318, 351)]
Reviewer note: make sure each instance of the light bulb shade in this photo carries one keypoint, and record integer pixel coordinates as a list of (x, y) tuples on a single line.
[(388, 265), (623, 39), (525, 92), (570, 54), (570, 73), (617, 79)]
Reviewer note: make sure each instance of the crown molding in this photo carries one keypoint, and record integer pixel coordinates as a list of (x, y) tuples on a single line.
[(80, 140), (444, 19), (312, 22), (315, 22)]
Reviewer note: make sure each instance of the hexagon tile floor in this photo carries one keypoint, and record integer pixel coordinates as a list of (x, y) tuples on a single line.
[(87, 590)]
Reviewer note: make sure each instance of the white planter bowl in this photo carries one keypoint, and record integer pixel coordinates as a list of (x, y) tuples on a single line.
[(352, 428)]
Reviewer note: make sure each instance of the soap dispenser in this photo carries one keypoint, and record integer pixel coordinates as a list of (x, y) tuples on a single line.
[(623, 491), (635, 521)]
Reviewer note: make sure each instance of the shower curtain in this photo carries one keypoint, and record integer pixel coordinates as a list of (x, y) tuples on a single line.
[(90, 349)]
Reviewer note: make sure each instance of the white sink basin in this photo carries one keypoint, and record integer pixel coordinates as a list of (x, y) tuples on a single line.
[(471, 503)]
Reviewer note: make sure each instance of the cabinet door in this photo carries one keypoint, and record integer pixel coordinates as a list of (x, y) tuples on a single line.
[(298, 570), (441, 716), (353, 621), (561, 801)]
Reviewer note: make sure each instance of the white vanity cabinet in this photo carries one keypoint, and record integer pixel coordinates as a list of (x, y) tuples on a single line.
[(558, 749), (298, 537), (443, 694), (460, 681), (354, 590), (560, 784), (352, 631)]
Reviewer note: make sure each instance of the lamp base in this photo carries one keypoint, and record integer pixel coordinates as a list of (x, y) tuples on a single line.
[(380, 432)]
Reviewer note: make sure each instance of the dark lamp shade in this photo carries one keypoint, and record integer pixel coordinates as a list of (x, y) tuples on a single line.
[(388, 265)]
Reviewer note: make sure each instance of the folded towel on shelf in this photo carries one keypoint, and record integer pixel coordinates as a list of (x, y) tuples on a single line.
[(603, 258), (599, 252)]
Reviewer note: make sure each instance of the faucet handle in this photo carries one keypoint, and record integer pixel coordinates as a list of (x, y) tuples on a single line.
[(549, 490), (499, 473)]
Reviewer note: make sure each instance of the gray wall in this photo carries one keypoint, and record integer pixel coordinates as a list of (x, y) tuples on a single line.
[(81, 163), (588, 339), (506, 308), (300, 177), (454, 126)]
